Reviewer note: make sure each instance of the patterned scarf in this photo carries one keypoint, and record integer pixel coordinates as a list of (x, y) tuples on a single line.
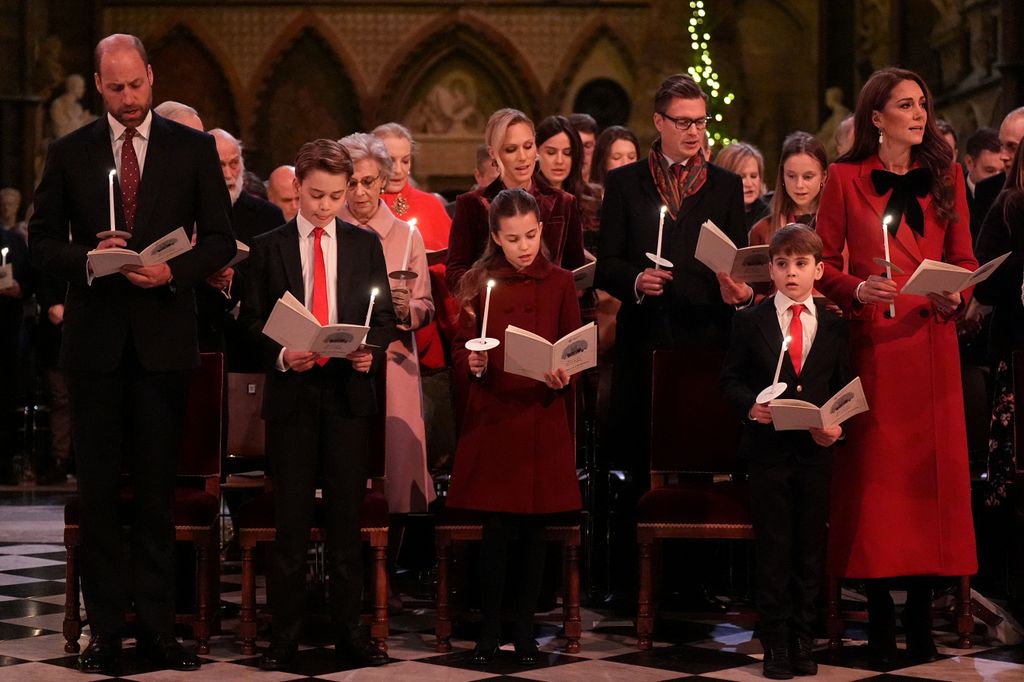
[(676, 184)]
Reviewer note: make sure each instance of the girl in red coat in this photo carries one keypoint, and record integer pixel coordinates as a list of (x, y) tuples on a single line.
[(515, 459), (901, 501)]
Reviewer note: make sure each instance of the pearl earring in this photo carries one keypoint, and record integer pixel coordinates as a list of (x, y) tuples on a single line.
[(881, 136)]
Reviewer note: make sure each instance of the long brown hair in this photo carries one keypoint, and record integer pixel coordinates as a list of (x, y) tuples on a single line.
[(933, 153), (603, 149), (795, 143), (508, 204)]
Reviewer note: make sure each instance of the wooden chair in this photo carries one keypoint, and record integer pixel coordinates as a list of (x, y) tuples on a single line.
[(246, 430), (196, 509), (694, 441), (255, 524)]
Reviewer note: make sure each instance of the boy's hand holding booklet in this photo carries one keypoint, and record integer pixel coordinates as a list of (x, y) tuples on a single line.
[(718, 252), (798, 415), (936, 277), (530, 355), (295, 328), (105, 262)]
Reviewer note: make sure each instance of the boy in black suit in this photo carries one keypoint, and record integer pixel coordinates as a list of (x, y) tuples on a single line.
[(790, 471), (317, 409)]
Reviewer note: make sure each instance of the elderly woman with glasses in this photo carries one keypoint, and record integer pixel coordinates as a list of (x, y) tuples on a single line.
[(409, 487)]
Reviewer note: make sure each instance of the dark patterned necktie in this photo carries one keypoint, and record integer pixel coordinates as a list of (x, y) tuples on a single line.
[(129, 179)]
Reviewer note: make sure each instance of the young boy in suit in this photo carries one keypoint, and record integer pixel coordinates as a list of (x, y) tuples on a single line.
[(317, 409), (790, 471)]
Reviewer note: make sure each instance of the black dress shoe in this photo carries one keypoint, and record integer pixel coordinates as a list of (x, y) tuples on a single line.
[(360, 653), (527, 654), (800, 657), (921, 650), (167, 652), (484, 654), (776, 663), (103, 655), (278, 655)]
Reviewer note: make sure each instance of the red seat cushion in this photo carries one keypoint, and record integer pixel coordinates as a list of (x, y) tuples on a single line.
[(259, 512), (192, 507), (696, 503)]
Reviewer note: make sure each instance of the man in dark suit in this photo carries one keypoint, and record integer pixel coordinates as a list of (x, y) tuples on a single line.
[(790, 471), (981, 160), (130, 338), (1011, 132), (221, 293), (317, 409)]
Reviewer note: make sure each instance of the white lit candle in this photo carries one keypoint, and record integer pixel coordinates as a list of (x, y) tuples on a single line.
[(782, 354), (487, 308), (3, 257), (110, 186), (369, 311), (661, 231), (408, 245), (888, 268)]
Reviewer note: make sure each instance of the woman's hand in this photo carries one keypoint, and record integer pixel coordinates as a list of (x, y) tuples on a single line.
[(733, 292), (877, 289), (556, 380), (945, 304)]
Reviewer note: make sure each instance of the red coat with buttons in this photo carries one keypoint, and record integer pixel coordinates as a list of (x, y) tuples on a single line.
[(516, 449), (901, 500)]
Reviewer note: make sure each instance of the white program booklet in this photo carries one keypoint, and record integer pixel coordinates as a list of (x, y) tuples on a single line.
[(718, 252), (799, 415), (241, 254), (530, 355), (295, 328), (934, 276), (109, 261), (583, 276)]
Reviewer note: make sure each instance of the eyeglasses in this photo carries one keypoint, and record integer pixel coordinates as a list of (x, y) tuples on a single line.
[(367, 182), (683, 124)]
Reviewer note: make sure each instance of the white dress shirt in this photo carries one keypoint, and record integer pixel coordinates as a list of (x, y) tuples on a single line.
[(140, 141), (808, 320)]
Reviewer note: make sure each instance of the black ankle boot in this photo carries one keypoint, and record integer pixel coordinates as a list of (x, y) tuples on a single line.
[(800, 656), (777, 665)]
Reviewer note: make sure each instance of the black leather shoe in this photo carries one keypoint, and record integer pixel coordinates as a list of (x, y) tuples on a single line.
[(800, 657), (484, 654), (167, 652), (360, 653), (527, 654), (278, 655), (776, 664), (921, 650), (103, 655)]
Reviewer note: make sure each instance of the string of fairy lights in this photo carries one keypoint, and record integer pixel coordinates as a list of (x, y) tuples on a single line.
[(703, 72)]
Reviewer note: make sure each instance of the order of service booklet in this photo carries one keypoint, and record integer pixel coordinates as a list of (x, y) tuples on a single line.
[(530, 355), (799, 415), (109, 261), (718, 252), (934, 276), (295, 328), (241, 253), (583, 276)]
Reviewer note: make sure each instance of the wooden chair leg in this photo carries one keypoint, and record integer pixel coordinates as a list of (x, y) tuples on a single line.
[(247, 613), (443, 624), (201, 626), (645, 611), (72, 603), (379, 628), (833, 616), (573, 628), (964, 615)]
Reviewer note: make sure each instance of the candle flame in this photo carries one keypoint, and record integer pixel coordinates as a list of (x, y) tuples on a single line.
[(412, 224), (664, 209), (490, 283), (113, 172), (886, 220), (3, 251), (785, 342), (374, 292)]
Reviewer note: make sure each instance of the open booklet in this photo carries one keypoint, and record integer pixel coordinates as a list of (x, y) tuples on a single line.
[(529, 355), (241, 253), (583, 276), (295, 328), (109, 261), (934, 276), (798, 415), (718, 252)]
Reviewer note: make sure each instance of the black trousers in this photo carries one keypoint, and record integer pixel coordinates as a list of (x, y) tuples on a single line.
[(789, 505), (503, 534), (127, 420), (321, 436)]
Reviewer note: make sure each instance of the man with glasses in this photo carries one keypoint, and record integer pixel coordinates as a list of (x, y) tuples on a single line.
[(685, 306), (1011, 131)]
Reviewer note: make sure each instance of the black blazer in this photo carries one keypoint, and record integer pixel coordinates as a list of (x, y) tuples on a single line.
[(181, 186), (691, 310), (1002, 231), (750, 366), (985, 193), (274, 268)]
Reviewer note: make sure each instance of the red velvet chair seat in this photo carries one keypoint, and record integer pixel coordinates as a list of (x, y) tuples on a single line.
[(696, 503), (192, 507), (259, 512)]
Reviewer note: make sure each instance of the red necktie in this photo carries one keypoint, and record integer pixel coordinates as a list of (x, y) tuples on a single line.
[(129, 179), (320, 305), (796, 337)]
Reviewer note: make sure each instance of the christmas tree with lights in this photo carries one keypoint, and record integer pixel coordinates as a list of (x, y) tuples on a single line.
[(703, 72)]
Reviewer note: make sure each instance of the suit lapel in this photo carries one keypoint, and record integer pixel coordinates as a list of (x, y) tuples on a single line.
[(768, 323), (289, 245), (346, 266), (820, 336), (158, 148)]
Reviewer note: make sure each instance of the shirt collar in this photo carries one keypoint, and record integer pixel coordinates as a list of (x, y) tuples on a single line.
[(970, 183), (306, 228), (783, 302), (117, 128)]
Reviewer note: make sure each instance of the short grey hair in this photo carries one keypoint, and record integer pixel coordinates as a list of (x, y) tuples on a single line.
[(225, 135), (174, 110), (394, 129), (365, 146)]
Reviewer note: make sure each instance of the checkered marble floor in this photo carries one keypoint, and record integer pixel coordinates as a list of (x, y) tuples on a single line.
[(32, 647)]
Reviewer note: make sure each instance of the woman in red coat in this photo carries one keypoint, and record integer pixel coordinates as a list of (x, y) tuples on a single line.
[(901, 502), (515, 459)]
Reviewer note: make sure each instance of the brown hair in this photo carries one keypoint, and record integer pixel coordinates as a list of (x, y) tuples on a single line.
[(603, 148), (795, 143), (933, 153), (508, 203), (324, 155), (676, 86), (795, 239)]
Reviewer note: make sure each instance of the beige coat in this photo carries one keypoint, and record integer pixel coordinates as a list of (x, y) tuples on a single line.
[(408, 485)]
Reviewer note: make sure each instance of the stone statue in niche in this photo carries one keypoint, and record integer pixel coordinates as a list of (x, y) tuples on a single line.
[(827, 132), (66, 111), (451, 107)]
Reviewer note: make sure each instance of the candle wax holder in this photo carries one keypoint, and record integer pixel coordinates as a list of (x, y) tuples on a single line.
[(659, 261), (882, 263), (481, 344), (771, 393), (403, 274), (114, 234)]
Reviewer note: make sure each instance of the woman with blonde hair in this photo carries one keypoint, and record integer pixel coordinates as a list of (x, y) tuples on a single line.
[(746, 161)]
